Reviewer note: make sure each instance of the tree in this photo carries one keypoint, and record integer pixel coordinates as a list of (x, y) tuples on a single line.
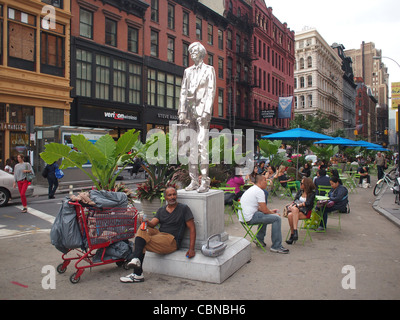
[(317, 122)]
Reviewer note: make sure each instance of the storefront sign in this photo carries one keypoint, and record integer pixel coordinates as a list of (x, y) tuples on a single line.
[(108, 116), (267, 114), (13, 126), (167, 116)]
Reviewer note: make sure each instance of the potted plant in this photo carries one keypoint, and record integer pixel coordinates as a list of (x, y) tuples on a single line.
[(160, 173), (150, 193)]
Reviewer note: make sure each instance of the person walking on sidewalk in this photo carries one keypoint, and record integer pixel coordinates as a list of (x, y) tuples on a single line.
[(20, 171), (52, 179), (173, 219), (380, 164)]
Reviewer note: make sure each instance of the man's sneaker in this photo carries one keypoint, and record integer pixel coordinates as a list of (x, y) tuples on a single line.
[(131, 278), (135, 262), (280, 250), (258, 244)]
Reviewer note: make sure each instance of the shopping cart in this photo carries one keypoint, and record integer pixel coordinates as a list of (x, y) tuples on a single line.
[(101, 228)]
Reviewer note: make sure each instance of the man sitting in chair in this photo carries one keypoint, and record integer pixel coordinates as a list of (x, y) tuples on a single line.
[(255, 211)]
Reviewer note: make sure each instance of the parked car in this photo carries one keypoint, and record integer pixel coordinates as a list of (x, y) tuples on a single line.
[(7, 191)]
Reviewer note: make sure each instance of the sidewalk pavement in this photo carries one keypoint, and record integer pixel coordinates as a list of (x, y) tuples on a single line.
[(385, 205)]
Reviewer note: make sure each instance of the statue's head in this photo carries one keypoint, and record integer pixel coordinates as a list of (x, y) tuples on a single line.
[(196, 48)]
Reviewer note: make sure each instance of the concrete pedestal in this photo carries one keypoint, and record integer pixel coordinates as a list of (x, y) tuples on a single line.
[(208, 212), (202, 268)]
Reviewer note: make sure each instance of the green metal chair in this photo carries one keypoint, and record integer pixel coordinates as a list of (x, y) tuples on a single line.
[(248, 227), (324, 190), (228, 208)]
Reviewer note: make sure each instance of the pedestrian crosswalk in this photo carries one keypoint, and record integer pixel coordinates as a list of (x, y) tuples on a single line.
[(23, 230)]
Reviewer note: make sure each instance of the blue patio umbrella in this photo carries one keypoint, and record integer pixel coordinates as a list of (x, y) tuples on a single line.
[(378, 149), (339, 141), (297, 134)]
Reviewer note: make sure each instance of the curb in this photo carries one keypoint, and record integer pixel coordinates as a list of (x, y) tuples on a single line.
[(376, 206)]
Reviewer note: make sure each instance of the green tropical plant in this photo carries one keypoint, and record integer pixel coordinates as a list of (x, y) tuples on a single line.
[(269, 149), (325, 153), (104, 155)]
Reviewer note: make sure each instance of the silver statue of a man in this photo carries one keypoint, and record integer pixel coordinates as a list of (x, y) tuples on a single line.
[(195, 109)]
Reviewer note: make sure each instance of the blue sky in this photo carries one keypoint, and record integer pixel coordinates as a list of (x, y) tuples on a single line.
[(348, 22)]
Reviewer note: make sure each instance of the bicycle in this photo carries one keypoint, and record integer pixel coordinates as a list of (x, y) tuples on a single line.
[(386, 179)]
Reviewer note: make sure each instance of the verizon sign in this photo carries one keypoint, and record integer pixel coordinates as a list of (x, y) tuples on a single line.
[(120, 116)]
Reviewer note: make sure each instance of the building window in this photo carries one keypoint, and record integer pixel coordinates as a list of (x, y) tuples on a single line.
[(210, 34), (171, 50), (309, 81), (185, 23), (220, 102), (53, 116), (199, 24), (170, 91), (229, 39), (238, 40), (185, 54), (210, 59), (52, 51), (22, 40), (119, 83), (55, 3), (301, 63), (133, 40), (83, 73), (135, 83), (154, 43), (151, 87), (85, 23), (309, 101), (163, 89), (171, 16), (302, 84), (220, 68), (309, 62), (154, 10), (102, 77), (229, 68), (220, 39), (111, 32)]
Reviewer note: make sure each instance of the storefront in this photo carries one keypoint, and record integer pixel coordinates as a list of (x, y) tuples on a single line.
[(159, 118), (118, 119)]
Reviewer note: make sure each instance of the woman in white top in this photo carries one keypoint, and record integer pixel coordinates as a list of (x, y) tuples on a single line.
[(20, 171)]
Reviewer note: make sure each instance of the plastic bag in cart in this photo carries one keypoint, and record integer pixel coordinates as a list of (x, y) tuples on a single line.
[(109, 199), (65, 233)]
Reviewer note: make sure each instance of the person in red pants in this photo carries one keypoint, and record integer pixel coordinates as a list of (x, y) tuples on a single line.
[(20, 171)]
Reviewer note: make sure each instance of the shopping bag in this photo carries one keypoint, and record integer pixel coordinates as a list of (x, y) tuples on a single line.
[(59, 173)]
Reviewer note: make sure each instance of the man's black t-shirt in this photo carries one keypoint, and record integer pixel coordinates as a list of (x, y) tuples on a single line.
[(175, 222)]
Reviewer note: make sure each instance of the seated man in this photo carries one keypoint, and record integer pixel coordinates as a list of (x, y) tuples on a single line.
[(321, 180), (255, 211), (173, 219), (364, 174)]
